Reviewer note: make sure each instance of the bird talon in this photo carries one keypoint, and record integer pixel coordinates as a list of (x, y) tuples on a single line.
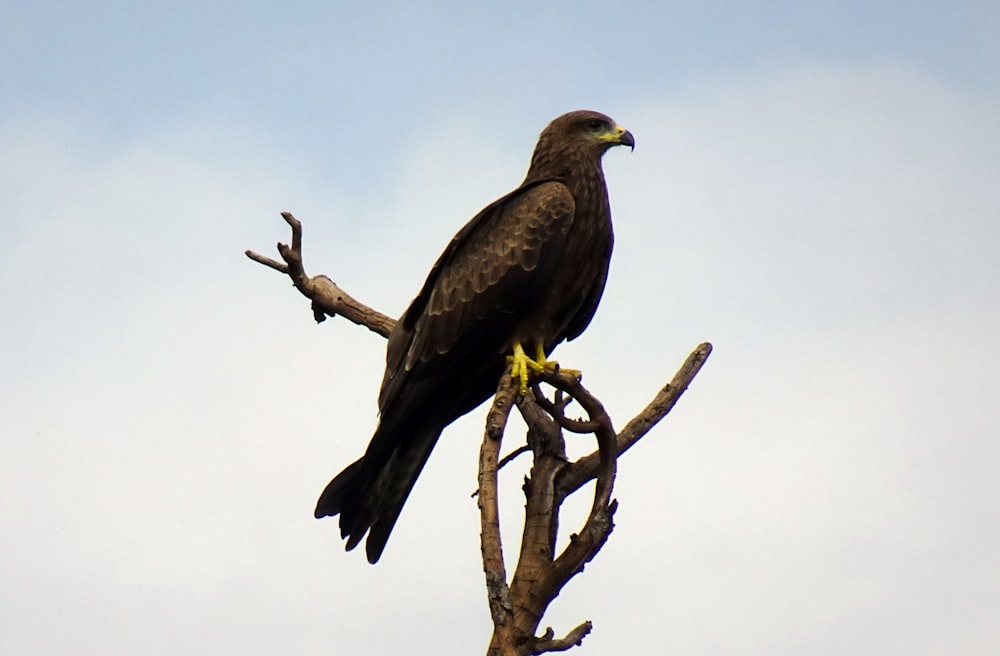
[(522, 367)]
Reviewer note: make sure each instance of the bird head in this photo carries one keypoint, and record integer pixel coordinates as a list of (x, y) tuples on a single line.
[(598, 131)]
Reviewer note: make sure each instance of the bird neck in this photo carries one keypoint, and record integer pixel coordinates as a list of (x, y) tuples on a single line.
[(573, 168)]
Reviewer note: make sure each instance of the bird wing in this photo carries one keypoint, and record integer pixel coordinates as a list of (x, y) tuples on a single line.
[(500, 263)]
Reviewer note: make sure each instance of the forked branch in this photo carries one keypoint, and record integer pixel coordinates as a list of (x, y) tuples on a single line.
[(328, 299), (540, 574)]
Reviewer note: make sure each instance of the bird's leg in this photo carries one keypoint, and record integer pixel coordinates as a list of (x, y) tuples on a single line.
[(522, 366), (540, 354)]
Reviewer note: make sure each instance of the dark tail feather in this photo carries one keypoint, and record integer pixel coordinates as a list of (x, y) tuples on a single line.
[(401, 475), (370, 501), (332, 499)]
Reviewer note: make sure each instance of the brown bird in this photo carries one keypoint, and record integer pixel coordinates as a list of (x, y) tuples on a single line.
[(526, 273)]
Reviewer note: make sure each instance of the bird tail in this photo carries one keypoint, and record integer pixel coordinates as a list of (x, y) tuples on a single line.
[(369, 496), (332, 499)]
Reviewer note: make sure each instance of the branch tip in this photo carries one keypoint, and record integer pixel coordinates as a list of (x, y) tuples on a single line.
[(574, 638), (328, 300)]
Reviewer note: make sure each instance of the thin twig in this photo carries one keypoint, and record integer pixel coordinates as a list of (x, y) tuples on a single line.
[(524, 448), (557, 412), (574, 638), (281, 267), (507, 459)]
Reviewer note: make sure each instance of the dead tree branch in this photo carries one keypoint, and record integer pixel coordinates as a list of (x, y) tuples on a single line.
[(517, 607), (328, 300), (574, 638), (540, 575), (497, 591), (585, 469)]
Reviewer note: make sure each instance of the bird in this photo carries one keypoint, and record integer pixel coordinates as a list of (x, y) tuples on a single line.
[(523, 275)]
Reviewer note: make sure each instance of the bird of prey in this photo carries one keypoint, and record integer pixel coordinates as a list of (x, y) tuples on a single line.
[(525, 274)]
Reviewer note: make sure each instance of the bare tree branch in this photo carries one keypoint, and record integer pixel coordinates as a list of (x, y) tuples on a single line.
[(539, 576), (557, 410), (497, 590), (574, 638), (586, 468), (583, 546), (328, 300), (524, 448), (665, 399)]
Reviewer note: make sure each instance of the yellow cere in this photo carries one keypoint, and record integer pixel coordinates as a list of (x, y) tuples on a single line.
[(614, 134)]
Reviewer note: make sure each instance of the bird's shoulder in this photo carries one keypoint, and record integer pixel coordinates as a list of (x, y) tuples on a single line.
[(509, 232)]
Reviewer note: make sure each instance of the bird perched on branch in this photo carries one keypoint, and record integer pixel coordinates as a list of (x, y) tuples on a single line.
[(525, 274)]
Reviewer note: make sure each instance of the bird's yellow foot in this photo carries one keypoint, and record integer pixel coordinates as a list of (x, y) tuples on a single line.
[(521, 366), (552, 365)]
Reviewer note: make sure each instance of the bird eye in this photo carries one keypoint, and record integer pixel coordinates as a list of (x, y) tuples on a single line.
[(595, 124)]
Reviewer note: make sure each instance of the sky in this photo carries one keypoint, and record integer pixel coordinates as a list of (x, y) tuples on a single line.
[(814, 190)]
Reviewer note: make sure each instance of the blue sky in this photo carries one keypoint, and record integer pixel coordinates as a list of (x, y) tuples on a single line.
[(813, 190)]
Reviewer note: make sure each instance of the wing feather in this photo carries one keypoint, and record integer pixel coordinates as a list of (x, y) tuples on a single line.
[(499, 263), (493, 273)]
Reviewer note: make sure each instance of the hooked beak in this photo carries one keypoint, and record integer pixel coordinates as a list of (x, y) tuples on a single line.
[(624, 137)]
